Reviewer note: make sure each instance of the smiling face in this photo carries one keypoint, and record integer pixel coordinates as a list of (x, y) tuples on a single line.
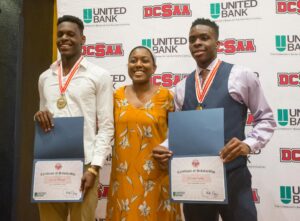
[(203, 44), (69, 39), (141, 66)]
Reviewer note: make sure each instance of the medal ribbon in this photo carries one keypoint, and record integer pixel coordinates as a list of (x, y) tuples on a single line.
[(74, 69), (201, 92)]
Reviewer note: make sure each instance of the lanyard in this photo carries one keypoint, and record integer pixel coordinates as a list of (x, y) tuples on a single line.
[(201, 90)]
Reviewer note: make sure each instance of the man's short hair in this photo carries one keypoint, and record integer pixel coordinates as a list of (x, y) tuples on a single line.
[(207, 22), (71, 18)]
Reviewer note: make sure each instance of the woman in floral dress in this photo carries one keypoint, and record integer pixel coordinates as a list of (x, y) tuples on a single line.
[(139, 188)]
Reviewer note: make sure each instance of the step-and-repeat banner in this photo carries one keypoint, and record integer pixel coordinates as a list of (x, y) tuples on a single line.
[(261, 34)]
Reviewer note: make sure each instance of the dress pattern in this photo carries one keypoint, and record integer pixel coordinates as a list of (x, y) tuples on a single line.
[(139, 189)]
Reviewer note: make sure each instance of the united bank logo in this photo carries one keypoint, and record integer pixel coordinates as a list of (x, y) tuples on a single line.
[(232, 9), (288, 79), (288, 117), (103, 16), (215, 10), (101, 50), (167, 10), (290, 194), (234, 46), (288, 7), (290, 155), (88, 15), (167, 79), (289, 43), (168, 46), (280, 42)]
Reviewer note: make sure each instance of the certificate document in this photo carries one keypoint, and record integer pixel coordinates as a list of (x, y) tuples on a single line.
[(198, 179), (57, 180)]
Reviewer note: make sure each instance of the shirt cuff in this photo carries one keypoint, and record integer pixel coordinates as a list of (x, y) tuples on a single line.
[(98, 161), (252, 143)]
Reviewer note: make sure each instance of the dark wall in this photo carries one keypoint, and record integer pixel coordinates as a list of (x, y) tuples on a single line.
[(25, 52), (10, 60)]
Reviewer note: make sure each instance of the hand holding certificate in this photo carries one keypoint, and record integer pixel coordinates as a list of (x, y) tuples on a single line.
[(58, 162), (196, 170)]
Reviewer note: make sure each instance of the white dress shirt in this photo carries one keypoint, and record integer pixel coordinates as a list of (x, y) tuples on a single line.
[(244, 87), (89, 94)]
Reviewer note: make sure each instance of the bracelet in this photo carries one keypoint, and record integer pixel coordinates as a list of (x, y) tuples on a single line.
[(93, 171)]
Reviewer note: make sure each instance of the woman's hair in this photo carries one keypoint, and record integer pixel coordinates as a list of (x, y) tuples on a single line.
[(148, 49)]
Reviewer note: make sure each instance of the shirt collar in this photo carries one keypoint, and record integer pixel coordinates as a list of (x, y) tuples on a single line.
[(54, 66), (209, 67)]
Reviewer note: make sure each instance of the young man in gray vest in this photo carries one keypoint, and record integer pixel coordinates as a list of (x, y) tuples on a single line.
[(236, 89)]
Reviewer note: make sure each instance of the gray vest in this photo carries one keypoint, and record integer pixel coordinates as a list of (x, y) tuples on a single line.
[(235, 114)]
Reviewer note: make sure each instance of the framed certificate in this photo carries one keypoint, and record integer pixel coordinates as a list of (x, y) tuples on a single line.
[(58, 161), (198, 179), (57, 180), (196, 171)]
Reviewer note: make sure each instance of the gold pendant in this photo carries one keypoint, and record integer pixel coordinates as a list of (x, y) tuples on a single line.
[(61, 102)]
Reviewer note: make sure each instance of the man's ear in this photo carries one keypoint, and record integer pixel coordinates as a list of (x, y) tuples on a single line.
[(83, 39)]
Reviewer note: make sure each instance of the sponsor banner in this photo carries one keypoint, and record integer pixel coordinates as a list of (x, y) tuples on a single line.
[(289, 197), (289, 155), (102, 50), (234, 10), (167, 79), (105, 16), (261, 35), (287, 44), (250, 119), (167, 46), (102, 191), (288, 7), (255, 196), (288, 119), (255, 162), (288, 79), (233, 46), (167, 11), (118, 80)]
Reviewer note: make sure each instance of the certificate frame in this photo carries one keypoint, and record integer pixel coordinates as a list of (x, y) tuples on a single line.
[(197, 133), (72, 194), (225, 201)]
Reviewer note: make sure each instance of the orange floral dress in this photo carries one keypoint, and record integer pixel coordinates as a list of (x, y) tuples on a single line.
[(139, 189)]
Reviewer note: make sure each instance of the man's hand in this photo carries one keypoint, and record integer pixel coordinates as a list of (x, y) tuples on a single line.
[(45, 120), (162, 155), (87, 181), (233, 149)]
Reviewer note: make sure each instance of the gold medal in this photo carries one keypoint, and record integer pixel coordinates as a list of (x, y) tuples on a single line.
[(61, 102), (199, 107)]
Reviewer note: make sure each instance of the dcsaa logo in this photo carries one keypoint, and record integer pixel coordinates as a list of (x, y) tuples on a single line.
[(290, 155), (288, 7)]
